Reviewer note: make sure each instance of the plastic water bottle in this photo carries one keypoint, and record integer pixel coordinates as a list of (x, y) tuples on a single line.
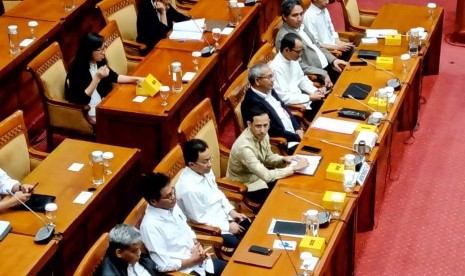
[(233, 9), (97, 168), (313, 223), (176, 75), (13, 38), (414, 42)]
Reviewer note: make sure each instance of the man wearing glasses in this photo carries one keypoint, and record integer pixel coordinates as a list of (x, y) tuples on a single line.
[(200, 199), (291, 84)]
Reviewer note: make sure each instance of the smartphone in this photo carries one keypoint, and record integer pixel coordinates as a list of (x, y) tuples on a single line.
[(311, 149), (357, 63), (260, 250)]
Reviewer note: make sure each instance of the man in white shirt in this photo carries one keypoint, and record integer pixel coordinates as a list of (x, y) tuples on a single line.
[(170, 241), (291, 84), (314, 59), (200, 199), (8, 184), (318, 21)]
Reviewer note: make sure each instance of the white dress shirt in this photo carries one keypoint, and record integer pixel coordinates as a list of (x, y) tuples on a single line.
[(200, 199), (324, 62), (95, 98), (137, 270), (290, 81), (168, 238), (6, 183), (319, 23)]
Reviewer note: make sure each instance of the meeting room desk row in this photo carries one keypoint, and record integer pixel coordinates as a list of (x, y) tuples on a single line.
[(80, 225)]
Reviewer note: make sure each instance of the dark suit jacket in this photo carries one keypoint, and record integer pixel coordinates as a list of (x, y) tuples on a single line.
[(112, 266), (276, 126), (149, 28)]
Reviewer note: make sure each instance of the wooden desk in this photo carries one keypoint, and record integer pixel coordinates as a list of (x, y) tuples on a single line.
[(49, 10), (407, 17), (338, 256), (148, 125), (21, 256), (81, 225)]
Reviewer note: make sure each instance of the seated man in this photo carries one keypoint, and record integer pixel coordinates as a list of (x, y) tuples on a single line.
[(125, 254), (170, 241), (315, 59), (318, 21), (7, 185), (252, 161), (291, 84), (155, 18), (200, 199), (261, 93)]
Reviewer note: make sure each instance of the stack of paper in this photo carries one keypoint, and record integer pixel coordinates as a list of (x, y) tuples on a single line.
[(188, 30), (5, 228), (313, 162), (335, 125), (380, 33)]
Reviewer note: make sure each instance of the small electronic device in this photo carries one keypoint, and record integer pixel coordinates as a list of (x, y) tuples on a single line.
[(357, 63), (311, 149), (353, 114), (260, 250)]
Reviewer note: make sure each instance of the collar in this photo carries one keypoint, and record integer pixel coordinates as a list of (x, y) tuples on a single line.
[(195, 177), (282, 59), (162, 213), (317, 10), (250, 136), (259, 93)]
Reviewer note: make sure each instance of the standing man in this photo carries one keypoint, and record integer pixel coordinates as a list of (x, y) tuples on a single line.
[(318, 21), (261, 94), (291, 84), (315, 59), (252, 161), (170, 241), (200, 199)]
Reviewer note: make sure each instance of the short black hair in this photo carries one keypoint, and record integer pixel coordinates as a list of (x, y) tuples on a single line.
[(288, 41), (288, 5), (192, 148), (151, 185), (255, 111)]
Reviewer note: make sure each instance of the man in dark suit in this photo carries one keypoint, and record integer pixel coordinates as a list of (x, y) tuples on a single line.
[(283, 123)]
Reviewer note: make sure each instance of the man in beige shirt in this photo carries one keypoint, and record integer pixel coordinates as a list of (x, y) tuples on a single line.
[(252, 162)]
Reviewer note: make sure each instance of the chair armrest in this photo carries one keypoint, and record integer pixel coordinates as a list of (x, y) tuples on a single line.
[(134, 58), (235, 197), (346, 36), (134, 44), (370, 12), (217, 241), (176, 273), (231, 185), (205, 229), (84, 109), (297, 107), (278, 141), (224, 158), (39, 155)]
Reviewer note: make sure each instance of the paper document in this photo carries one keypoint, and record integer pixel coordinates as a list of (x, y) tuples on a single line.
[(313, 162), (335, 125), (188, 30), (380, 33)]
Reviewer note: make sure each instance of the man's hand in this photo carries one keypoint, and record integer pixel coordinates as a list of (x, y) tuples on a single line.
[(328, 82), (300, 132), (318, 95), (198, 254), (235, 228), (237, 216), (22, 196), (338, 65), (344, 46), (301, 163)]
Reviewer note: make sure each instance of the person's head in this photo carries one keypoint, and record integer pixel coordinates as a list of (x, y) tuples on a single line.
[(261, 77), (292, 13), (258, 122), (91, 48), (197, 156), (125, 243), (321, 4), (157, 191), (291, 46)]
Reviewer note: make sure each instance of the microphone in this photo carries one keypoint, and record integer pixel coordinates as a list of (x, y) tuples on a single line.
[(45, 234), (359, 158), (324, 217), (394, 82), (208, 50), (306, 200), (287, 253)]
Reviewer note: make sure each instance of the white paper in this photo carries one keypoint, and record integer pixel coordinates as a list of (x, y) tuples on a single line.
[(188, 76), (380, 33), (75, 167), (335, 125), (82, 197), (227, 31), (26, 42), (139, 99), (188, 30), (313, 161), (370, 40), (290, 245), (312, 263)]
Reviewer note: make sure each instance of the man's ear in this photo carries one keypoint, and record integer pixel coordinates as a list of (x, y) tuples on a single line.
[(153, 202), (119, 253), (249, 123)]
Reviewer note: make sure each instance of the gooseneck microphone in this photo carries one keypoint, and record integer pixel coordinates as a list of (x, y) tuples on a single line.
[(359, 158), (362, 103), (208, 50), (287, 253), (306, 200), (45, 234), (394, 82)]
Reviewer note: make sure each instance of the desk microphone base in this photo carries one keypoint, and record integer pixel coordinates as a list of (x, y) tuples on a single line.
[(394, 83), (207, 51), (44, 235)]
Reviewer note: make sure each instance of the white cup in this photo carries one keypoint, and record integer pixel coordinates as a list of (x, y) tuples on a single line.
[(377, 117)]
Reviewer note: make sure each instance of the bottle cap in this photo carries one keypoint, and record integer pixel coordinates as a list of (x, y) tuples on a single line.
[(12, 28), (196, 54), (312, 213), (176, 66), (108, 155), (431, 5), (32, 24), (240, 5), (50, 207), (164, 88)]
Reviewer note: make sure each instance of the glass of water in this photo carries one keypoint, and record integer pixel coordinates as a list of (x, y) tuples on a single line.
[(195, 59), (51, 212), (216, 32), (404, 58), (431, 8), (164, 93)]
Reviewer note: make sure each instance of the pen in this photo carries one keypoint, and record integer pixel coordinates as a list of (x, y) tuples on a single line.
[(33, 187), (329, 111)]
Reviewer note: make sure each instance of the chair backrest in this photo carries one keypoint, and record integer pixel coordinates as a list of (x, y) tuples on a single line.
[(94, 257), (14, 146), (49, 72), (200, 123), (270, 33), (306, 4), (172, 164), (124, 12), (350, 9), (265, 54), (114, 53), (234, 96), (137, 214)]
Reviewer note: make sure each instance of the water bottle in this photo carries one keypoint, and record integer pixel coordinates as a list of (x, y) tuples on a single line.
[(176, 75), (349, 173), (414, 42), (240, 6), (13, 38), (233, 13), (97, 167), (313, 223), (382, 100)]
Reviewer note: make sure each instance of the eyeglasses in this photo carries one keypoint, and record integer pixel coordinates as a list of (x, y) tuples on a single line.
[(270, 76), (297, 51), (206, 162), (170, 195)]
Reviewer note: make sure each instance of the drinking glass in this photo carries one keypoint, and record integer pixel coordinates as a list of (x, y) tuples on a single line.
[(306, 258), (195, 60), (337, 202), (216, 32), (404, 58), (164, 93), (51, 212), (108, 161), (32, 26), (431, 8)]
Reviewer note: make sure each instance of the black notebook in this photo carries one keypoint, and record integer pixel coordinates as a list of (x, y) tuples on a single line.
[(36, 202), (368, 54), (357, 90), (289, 228)]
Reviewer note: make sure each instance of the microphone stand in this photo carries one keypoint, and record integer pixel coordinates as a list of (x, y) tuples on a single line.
[(394, 82), (208, 50)]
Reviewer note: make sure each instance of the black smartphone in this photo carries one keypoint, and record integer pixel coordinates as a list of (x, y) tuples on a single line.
[(260, 250), (311, 149), (357, 63)]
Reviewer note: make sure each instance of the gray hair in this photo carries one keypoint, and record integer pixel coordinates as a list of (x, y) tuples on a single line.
[(124, 235), (255, 72)]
